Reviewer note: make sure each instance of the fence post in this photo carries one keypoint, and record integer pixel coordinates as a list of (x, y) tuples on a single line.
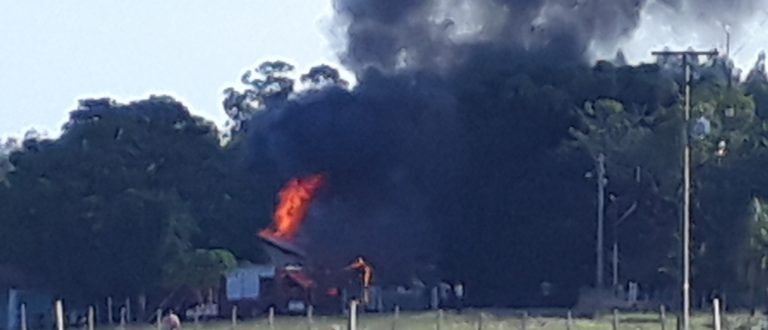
[(352, 315), (569, 320), (524, 321), (110, 316), (59, 312), (396, 317), (310, 316), (234, 317), (615, 319), (91, 318), (159, 317), (271, 318), (663, 317), (480, 321), (717, 324), (123, 314), (23, 315)]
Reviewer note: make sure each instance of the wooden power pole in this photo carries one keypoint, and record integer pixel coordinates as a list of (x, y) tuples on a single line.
[(685, 280)]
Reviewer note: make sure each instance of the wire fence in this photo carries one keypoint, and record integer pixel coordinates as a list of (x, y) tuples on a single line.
[(472, 319)]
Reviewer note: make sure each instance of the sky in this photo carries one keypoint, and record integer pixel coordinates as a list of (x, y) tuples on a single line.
[(661, 26), (54, 52)]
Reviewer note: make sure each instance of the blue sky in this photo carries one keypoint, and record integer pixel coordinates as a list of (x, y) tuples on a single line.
[(53, 52)]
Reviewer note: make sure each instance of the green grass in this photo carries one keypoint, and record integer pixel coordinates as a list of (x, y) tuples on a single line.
[(491, 320)]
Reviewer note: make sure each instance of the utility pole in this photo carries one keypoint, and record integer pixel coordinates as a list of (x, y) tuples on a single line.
[(686, 203), (601, 181)]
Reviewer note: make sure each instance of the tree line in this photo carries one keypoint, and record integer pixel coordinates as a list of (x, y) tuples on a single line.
[(144, 197)]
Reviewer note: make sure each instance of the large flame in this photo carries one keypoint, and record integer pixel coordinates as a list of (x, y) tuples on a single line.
[(295, 198)]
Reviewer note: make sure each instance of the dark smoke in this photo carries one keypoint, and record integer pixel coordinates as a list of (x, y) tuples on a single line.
[(381, 146), (456, 107), (429, 33)]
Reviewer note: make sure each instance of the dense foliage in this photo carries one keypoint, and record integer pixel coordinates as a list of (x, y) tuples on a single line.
[(124, 199), (144, 196)]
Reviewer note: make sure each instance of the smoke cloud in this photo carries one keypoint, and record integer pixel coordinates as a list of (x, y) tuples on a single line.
[(380, 146), (680, 24), (441, 33), (456, 103)]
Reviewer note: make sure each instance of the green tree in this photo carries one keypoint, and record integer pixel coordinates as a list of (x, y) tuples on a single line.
[(198, 269), (638, 171), (125, 190), (754, 263)]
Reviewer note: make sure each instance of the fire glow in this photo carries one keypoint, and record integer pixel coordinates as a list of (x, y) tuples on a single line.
[(295, 198)]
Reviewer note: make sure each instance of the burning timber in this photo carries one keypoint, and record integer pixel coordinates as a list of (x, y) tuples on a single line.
[(286, 283), (292, 280)]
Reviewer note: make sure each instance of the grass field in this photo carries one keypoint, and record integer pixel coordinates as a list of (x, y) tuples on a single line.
[(491, 319)]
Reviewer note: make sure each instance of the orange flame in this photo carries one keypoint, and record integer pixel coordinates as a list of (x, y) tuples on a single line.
[(295, 198)]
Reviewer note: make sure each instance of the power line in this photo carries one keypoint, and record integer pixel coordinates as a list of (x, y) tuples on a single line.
[(759, 27)]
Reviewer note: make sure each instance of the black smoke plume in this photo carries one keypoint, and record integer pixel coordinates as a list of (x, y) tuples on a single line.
[(442, 153)]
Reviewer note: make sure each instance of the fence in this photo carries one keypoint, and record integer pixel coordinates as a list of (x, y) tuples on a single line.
[(486, 319)]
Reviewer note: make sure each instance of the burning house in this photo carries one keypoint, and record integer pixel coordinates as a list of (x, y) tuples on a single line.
[(286, 282), (293, 279), (283, 283)]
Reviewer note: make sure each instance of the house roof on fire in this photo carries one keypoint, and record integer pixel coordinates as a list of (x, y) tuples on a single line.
[(284, 246)]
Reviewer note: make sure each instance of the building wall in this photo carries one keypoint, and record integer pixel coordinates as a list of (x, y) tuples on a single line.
[(244, 282)]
